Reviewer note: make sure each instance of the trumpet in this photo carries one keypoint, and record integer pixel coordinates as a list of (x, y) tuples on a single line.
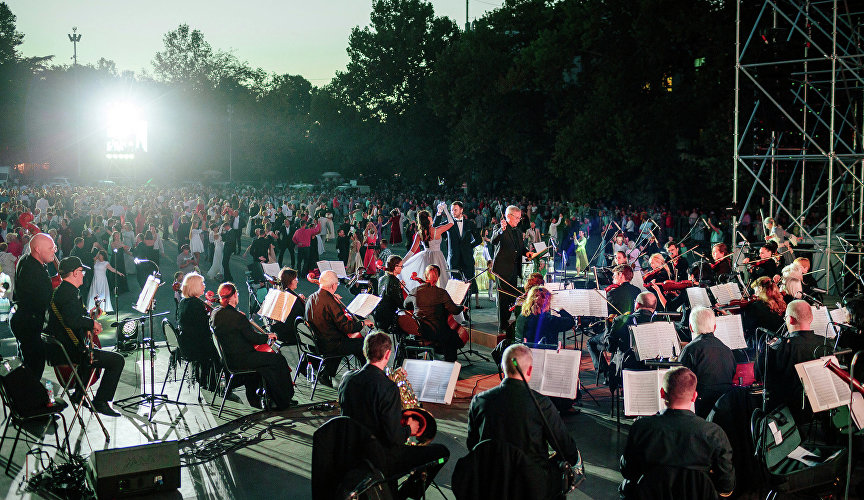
[(411, 409)]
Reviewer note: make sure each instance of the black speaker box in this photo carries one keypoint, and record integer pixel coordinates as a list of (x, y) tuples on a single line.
[(135, 470)]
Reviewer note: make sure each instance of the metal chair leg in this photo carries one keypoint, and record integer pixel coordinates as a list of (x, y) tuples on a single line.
[(317, 377), (225, 396), (183, 379), (299, 364), (216, 389), (12, 453)]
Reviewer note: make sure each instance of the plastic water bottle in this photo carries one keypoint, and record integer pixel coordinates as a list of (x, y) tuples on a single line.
[(310, 375), (49, 387)]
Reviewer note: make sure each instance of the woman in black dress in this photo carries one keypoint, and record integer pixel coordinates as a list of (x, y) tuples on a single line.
[(287, 332), (194, 322)]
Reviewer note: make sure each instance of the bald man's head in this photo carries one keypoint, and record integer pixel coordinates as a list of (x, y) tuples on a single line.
[(42, 248), (799, 316)]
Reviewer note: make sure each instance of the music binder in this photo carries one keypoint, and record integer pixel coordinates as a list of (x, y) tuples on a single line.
[(277, 305), (698, 296), (457, 290), (580, 302), (363, 304), (337, 266), (824, 389), (433, 381), (653, 340), (556, 372), (642, 392), (725, 293), (730, 331)]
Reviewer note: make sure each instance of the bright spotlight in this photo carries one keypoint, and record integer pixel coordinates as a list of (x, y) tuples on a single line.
[(126, 132)]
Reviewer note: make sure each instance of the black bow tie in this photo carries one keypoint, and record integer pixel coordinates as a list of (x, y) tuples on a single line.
[(458, 220)]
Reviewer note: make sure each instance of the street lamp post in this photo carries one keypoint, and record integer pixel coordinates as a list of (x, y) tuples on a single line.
[(75, 37), (230, 155)]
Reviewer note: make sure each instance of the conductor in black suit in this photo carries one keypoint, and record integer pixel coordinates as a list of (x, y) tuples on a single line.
[(461, 240), (507, 262)]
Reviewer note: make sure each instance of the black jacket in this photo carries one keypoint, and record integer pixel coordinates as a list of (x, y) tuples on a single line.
[(432, 305), (460, 247), (714, 365), (330, 321), (390, 291), (236, 335), (68, 320), (32, 287), (782, 382), (509, 250), (623, 298), (506, 413), (368, 396), (194, 324)]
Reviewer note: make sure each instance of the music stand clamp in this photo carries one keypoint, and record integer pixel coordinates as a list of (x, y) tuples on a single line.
[(146, 301)]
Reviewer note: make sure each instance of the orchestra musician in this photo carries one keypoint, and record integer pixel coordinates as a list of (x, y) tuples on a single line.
[(618, 338), (238, 340), (331, 324), (392, 294), (621, 296), (721, 265), (659, 272), (287, 332), (677, 263), (432, 304), (766, 311), (69, 323), (709, 358), (368, 396), (31, 296), (536, 323), (194, 322), (766, 265)]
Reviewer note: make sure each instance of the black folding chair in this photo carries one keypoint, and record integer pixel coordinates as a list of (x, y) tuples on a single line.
[(25, 421), (85, 395), (172, 342), (308, 352), (230, 371)]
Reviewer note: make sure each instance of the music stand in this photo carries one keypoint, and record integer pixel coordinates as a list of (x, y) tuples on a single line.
[(471, 349), (146, 301)]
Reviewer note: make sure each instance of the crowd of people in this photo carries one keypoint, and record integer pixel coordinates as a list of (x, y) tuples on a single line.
[(119, 232)]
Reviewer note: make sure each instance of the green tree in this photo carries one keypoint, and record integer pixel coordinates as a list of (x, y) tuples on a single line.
[(10, 38)]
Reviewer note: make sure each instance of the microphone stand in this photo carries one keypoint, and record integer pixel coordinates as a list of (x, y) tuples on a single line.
[(471, 349), (116, 290)]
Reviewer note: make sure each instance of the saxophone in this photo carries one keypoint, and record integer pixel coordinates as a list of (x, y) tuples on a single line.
[(411, 408)]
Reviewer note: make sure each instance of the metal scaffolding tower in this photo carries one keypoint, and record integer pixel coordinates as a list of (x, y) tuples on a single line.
[(798, 124)]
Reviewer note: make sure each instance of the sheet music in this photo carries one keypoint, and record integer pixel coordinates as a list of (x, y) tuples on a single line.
[(581, 302), (824, 389), (655, 339), (554, 287), (457, 289), (820, 325), (271, 270), (638, 281), (337, 266), (539, 247), (277, 305), (363, 304), (432, 381), (730, 331), (642, 392), (840, 315), (538, 361), (145, 299), (561, 373), (698, 296), (725, 293)]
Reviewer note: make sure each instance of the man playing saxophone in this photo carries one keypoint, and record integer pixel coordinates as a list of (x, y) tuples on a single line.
[(368, 396)]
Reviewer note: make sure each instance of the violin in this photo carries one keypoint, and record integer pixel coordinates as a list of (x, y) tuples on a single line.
[(313, 277), (611, 287), (670, 285), (721, 259), (651, 274)]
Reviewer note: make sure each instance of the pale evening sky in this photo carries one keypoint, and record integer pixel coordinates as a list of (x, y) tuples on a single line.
[(305, 37)]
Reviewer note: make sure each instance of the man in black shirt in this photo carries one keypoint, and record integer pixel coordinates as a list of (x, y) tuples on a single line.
[(507, 413), (31, 296), (799, 345), (679, 439), (622, 298), (69, 323), (677, 264), (372, 399), (432, 305), (391, 294), (709, 358), (507, 262), (229, 237)]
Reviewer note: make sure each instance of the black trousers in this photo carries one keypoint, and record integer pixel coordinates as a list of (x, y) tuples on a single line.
[(507, 294), (303, 260), (112, 367), (27, 328), (445, 337), (226, 265), (402, 459), (346, 348), (273, 369)]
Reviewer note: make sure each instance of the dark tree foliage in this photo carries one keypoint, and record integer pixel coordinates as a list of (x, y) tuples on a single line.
[(625, 99)]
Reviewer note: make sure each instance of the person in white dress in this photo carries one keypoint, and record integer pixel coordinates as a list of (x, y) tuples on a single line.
[(196, 244), (218, 245), (99, 287), (430, 238)]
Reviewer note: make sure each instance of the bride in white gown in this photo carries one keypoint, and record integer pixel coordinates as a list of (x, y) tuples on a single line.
[(99, 287), (430, 238)]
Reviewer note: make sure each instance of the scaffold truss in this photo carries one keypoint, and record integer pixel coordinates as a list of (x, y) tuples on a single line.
[(798, 122)]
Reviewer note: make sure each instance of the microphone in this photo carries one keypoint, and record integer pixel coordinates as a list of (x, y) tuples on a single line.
[(140, 261)]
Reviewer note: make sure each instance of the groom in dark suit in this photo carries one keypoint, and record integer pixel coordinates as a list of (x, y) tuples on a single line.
[(507, 262), (461, 240)]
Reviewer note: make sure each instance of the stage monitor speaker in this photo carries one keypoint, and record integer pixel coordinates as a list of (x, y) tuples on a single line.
[(135, 470)]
